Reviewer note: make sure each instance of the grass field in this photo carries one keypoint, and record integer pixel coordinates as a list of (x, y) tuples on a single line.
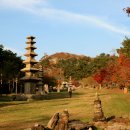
[(16, 115)]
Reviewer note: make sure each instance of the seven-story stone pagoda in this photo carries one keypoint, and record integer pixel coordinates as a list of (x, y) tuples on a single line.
[(30, 80)]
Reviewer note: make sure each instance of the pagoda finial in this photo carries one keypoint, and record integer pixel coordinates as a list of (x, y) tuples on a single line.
[(30, 37)]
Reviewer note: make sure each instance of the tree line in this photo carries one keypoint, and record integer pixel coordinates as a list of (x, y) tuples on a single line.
[(105, 69)]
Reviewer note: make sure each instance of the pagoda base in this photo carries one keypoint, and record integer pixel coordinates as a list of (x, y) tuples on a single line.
[(29, 87), (30, 84)]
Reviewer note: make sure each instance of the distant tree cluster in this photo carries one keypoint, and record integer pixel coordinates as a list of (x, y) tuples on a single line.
[(77, 68), (85, 67)]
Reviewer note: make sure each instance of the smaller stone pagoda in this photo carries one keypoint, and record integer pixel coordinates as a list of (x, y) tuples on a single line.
[(30, 80), (70, 82), (40, 83), (98, 112)]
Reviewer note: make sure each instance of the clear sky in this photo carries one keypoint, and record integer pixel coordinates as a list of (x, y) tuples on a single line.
[(87, 27)]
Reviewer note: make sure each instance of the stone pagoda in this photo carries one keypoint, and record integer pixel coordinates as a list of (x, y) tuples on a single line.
[(30, 80), (70, 82), (40, 76), (98, 111)]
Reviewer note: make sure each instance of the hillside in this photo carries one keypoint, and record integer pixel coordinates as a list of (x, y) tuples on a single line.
[(54, 58), (51, 67)]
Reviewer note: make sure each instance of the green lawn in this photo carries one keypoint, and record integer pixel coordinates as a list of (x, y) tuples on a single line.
[(16, 115)]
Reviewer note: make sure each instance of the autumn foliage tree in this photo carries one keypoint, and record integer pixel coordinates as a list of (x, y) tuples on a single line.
[(122, 75), (123, 64), (104, 74), (117, 69), (100, 76)]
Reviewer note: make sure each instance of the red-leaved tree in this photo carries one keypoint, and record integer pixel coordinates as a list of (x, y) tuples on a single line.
[(100, 76)]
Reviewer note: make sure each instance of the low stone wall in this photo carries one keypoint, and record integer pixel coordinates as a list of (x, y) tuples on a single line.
[(27, 97)]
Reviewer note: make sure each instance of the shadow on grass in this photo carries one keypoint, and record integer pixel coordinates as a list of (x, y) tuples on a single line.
[(4, 101), (110, 118), (25, 124), (5, 98), (6, 104), (7, 101), (11, 103)]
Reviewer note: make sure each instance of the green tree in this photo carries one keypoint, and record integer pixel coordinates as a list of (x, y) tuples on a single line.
[(100, 62), (76, 68), (45, 63), (10, 65), (125, 49)]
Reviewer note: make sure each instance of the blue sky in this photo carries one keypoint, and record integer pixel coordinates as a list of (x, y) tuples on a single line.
[(86, 27)]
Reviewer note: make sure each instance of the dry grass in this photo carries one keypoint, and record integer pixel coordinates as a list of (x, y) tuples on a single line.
[(19, 115)]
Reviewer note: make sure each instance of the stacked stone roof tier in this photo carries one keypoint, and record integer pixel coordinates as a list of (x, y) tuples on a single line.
[(30, 54), (30, 46), (29, 69)]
